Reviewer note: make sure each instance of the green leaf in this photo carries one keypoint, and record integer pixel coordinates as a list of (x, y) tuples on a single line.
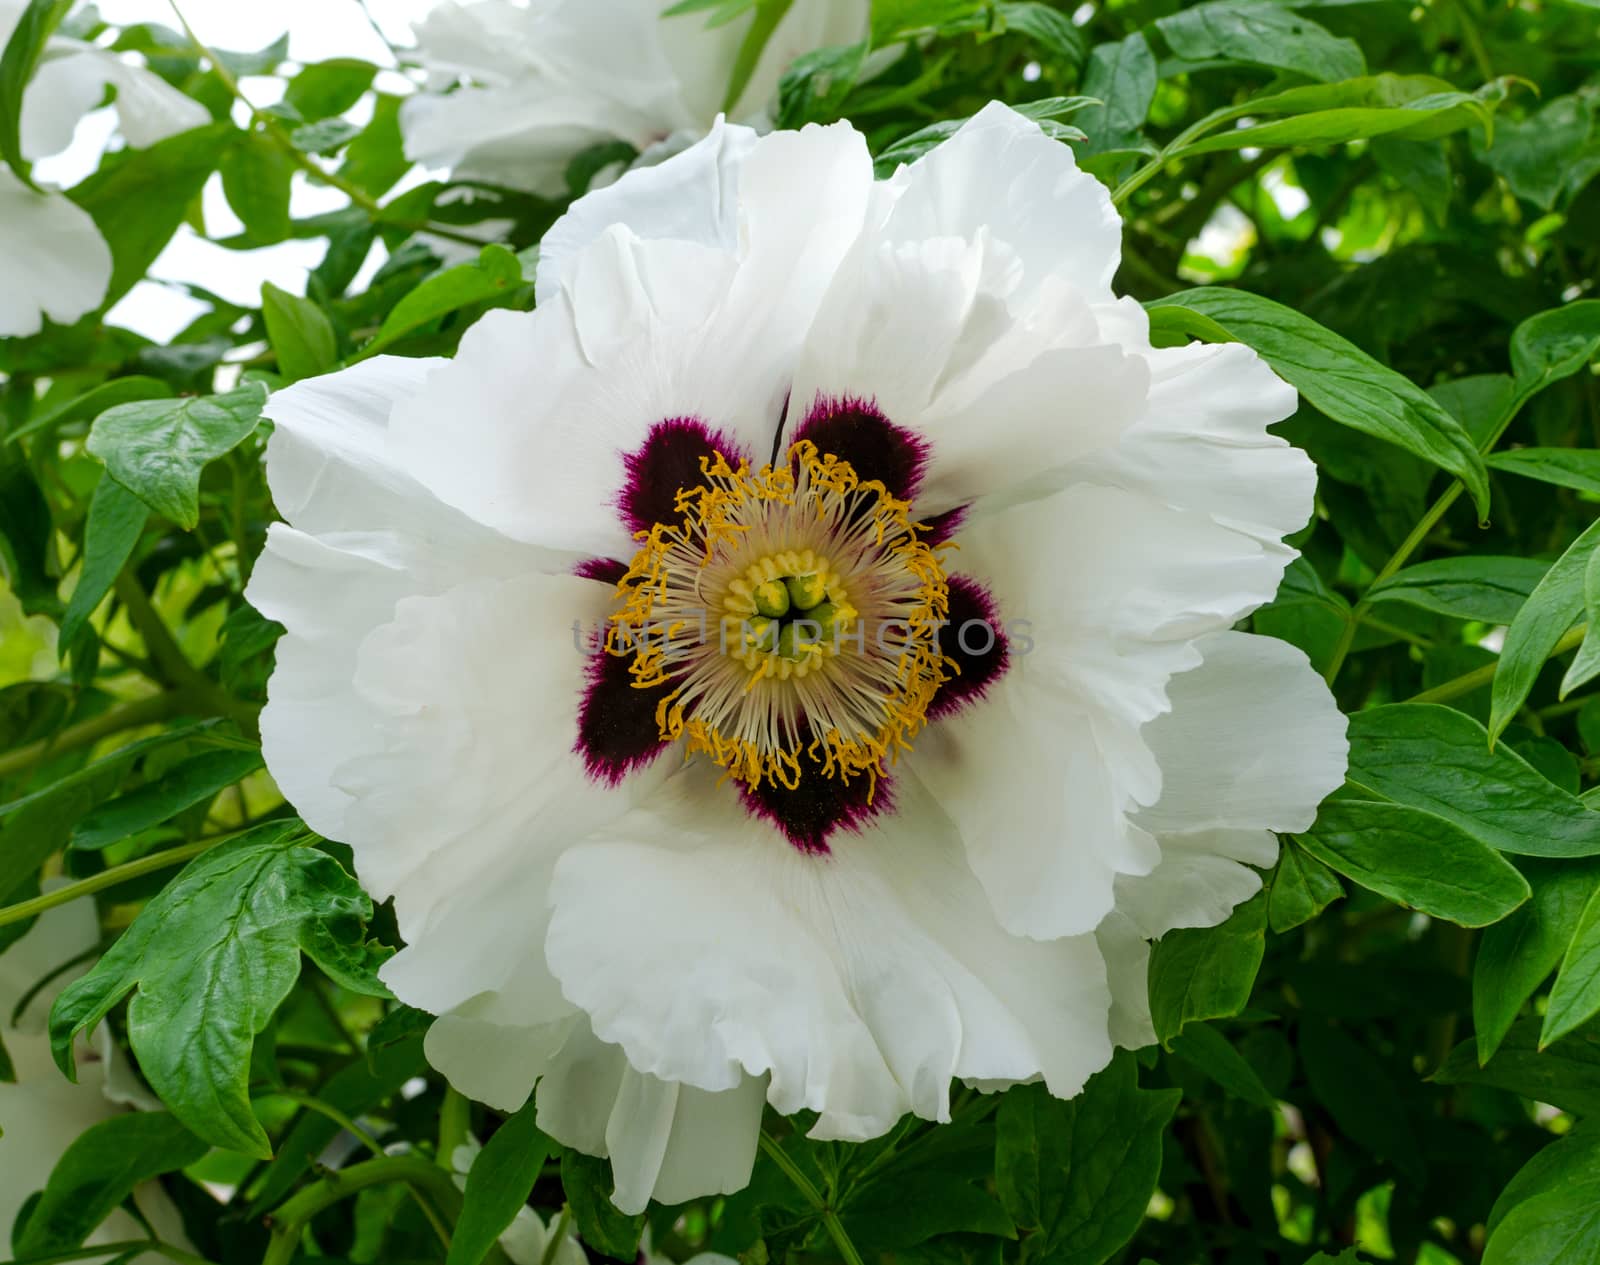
[(376, 159), (210, 958), (1257, 33), (1518, 953), (17, 63), (1575, 997), (1555, 344), (257, 175), (1567, 1075), (1577, 468), (498, 1185), (115, 520), (1046, 112), (1302, 887), (1207, 1049), (1438, 759), (157, 449), (815, 85), (329, 87), (1416, 859), (768, 13), (1480, 587), (1360, 1095), (192, 782), (1551, 609), (1535, 154), (1585, 664), (1123, 76), (1550, 1211), (1052, 30), (354, 1090), (1206, 972), (497, 272), (98, 1171), (138, 198), (328, 136), (26, 534), (1343, 382), (587, 1183), (1174, 326), (92, 403), (301, 336), (1080, 1173)]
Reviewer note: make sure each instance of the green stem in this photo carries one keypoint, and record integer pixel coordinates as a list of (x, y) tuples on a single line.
[(813, 1196), (273, 129), (292, 1216), (455, 1121), (558, 1235), (106, 878), (1419, 533), (1479, 677), (134, 715)]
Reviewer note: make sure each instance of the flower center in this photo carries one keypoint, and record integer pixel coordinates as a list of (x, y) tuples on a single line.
[(794, 611)]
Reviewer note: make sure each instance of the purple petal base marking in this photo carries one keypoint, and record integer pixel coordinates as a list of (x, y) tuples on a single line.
[(668, 459), (617, 730), (808, 815), (605, 570), (854, 430), (974, 619)]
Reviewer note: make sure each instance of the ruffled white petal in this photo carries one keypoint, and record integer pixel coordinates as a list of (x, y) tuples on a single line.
[(1001, 173), (1253, 743), (1109, 589), (862, 982), (73, 79), (56, 263), (666, 1141)]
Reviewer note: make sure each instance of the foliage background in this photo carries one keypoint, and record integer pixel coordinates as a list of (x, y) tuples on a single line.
[(1388, 1055)]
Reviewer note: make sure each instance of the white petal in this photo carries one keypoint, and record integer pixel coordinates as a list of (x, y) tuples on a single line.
[(545, 405), (1127, 956), (862, 981), (56, 263), (1203, 443), (787, 206), (1254, 740), (1102, 592), (933, 332), (692, 196), (1253, 743), (1002, 173), (72, 81), (366, 535), (544, 83)]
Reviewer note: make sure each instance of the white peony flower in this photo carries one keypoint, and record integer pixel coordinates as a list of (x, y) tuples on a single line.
[(56, 263), (42, 1113), (748, 860), (546, 80)]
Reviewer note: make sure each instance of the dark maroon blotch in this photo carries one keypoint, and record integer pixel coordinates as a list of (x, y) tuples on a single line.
[(668, 459), (982, 664), (617, 730), (855, 430), (808, 815), (605, 570), (940, 527)]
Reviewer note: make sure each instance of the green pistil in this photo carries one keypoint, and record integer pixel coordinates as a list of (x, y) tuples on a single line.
[(805, 591), (772, 599)]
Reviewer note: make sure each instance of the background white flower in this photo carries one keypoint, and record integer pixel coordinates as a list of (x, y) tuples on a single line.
[(668, 943), (545, 80), (42, 1113), (56, 263)]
